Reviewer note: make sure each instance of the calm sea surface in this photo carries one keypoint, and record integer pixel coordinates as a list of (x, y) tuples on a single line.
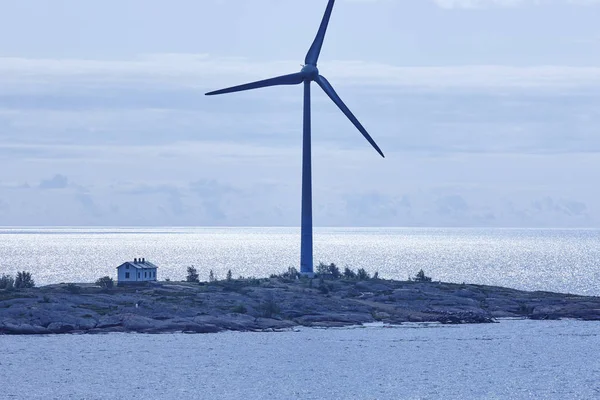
[(509, 360), (512, 359), (533, 259)]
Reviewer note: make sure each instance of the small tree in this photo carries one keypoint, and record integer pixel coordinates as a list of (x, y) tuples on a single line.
[(106, 282), (421, 277), (211, 276), (7, 282), (229, 276), (291, 273), (24, 280), (334, 271), (362, 275), (322, 269), (192, 275), (349, 274)]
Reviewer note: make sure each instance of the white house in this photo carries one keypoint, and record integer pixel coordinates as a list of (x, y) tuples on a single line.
[(138, 270)]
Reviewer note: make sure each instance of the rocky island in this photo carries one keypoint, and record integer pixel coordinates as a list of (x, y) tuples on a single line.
[(275, 303)]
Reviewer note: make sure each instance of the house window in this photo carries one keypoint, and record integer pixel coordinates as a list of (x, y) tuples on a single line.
[(139, 274), (154, 274), (126, 275), (145, 274)]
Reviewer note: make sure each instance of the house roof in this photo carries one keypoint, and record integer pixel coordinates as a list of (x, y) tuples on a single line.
[(138, 265)]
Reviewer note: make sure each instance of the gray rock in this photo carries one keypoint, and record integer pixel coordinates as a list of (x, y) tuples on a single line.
[(209, 308), (22, 329), (61, 327)]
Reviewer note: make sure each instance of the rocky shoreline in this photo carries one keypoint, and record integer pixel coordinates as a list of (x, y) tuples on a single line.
[(273, 304)]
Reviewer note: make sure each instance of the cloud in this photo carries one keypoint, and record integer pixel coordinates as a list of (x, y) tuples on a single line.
[(397, 201), (200, 72), (215, 197), (173, 195), (452, 205), (89, 206), (375, 205), (211, 189), (561, 206), (57, 182)]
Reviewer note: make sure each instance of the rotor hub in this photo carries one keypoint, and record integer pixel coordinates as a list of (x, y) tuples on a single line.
[(310, 71)]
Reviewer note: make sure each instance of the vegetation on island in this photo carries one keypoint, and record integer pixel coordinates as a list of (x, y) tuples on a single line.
[(421, 277), (105, 282), (192, 275), (329, 272), (23, 280), (7, 282)]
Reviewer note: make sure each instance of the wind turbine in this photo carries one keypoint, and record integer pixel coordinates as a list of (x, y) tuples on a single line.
[(308, 74)]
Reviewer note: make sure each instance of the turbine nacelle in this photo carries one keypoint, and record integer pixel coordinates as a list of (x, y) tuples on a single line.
[(310, 72)]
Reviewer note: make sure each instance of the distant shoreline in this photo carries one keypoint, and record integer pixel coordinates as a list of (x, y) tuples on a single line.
[(273, 304)]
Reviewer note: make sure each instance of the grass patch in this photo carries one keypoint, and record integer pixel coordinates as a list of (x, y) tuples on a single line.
[(15, 295), (239, 309), (168, 293)]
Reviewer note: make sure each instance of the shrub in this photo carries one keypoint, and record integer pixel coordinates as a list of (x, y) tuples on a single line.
[(322, 269), (349, 274), (331, 270), (334, 271), (192, 275), (291, 273), (7, 282), (362, 275), (24, 280), (323, 288), (105, 282), (421, 277), (252, 281), (239, 309), (269, 307), (376, 275), (73, 288)]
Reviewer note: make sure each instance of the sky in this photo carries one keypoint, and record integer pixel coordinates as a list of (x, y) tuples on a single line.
[(488, 112)]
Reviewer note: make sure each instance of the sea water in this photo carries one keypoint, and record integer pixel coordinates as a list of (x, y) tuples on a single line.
[(512, 359), (530, 259), (508, 360)]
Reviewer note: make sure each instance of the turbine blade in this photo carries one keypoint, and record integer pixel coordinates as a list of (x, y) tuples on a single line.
[(315, 50), (328, 89), (292, 79)]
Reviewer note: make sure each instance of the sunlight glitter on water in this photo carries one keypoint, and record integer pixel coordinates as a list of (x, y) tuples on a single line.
[(532, 259)]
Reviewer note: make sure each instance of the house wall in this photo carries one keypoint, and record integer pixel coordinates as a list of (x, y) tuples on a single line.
[(137, 275), (151, 272), (132, 274)]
